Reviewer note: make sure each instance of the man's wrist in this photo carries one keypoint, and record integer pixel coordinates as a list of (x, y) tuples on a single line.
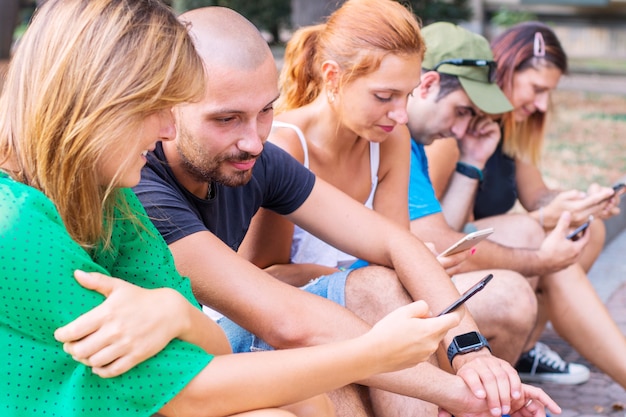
[(469, 170), (466, 343)]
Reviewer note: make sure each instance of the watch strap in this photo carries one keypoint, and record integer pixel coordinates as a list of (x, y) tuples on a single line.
[(469, 171), (454, 349)]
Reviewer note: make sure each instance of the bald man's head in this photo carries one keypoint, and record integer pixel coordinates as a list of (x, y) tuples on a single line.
[(225, 38)]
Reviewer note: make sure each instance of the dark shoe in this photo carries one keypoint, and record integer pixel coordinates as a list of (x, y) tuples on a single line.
[(542, 364)]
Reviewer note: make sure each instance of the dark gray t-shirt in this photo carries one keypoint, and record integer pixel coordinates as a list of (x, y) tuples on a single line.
[(279, 183)]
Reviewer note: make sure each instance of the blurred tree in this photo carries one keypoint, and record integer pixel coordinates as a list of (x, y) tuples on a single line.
[(268, 15), (8, 22), (306, 12), (430, 11)]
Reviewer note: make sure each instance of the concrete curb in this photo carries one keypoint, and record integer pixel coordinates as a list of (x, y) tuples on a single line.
[(616, 224)]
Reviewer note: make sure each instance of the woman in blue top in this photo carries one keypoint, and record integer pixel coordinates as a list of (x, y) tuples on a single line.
[(88, 94)]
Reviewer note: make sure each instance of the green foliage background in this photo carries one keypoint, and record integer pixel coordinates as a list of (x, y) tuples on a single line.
[(272, 15)]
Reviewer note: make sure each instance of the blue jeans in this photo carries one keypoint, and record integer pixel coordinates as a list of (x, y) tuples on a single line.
[(331, 287)]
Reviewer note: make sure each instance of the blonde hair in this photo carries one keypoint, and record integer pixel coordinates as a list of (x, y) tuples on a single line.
[(84, 76), (357, 36), (514, 50)]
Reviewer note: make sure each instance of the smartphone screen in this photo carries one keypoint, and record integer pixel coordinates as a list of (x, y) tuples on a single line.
[(467, 295)]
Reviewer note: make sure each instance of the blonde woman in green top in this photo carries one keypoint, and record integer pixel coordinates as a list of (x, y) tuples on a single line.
[(89, 92)]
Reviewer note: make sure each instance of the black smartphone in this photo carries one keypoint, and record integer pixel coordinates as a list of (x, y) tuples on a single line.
[(578, 232), (466, 295)]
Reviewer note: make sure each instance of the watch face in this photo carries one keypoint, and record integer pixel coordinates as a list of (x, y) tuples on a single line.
[(468, 341)]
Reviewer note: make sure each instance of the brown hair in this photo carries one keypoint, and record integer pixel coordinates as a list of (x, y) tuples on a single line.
[(357, 36), (84, 75), (514, 50)]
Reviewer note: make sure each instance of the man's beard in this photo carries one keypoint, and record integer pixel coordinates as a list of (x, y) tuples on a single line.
[(203, 168)]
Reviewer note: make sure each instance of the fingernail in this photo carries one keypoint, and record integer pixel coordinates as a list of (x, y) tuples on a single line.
[(496, 412), (506, 409), (472, 251), (516, 394)]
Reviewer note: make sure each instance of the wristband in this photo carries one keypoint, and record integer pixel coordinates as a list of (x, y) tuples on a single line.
[(469, 171)]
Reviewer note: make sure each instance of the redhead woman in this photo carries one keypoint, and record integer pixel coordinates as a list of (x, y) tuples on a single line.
[(531, 62)]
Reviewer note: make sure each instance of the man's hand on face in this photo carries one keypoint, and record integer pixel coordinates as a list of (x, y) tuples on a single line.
[(480, 140)]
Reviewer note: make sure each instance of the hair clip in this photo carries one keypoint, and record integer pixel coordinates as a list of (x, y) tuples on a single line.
[(540, 46)]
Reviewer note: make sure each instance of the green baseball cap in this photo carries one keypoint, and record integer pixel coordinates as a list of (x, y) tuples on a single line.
[(451, 49)]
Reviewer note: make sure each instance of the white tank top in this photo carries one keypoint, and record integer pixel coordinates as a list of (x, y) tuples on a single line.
[(306, 248)]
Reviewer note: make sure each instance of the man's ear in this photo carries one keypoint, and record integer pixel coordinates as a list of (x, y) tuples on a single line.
[(429, 81)]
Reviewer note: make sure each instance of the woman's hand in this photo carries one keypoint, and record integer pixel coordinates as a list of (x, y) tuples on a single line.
[(580, 204), (408, 335), (131, 325), (608, 206)]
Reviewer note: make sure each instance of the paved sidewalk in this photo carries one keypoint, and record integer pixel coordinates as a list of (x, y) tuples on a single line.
[(600, 396)]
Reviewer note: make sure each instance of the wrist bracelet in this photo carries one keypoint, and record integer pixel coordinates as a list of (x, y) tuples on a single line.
[(469, 171)]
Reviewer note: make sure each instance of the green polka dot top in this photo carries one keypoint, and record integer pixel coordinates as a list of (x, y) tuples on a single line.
[(39, 294)]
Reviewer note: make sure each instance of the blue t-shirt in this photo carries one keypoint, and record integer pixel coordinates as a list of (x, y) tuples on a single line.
[(279, 183), (422, 199)]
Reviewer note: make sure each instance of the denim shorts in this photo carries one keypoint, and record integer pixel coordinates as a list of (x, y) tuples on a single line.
[(331, 287)]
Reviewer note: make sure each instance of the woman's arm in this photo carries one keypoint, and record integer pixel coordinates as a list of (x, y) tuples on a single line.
[(275, 378), (442, 155), (546, 205), (134, 324), (391, 197)]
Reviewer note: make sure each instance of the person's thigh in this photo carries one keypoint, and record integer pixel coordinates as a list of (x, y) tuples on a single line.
[(331, 287), (505, 310), (372, 292), (515, 230)]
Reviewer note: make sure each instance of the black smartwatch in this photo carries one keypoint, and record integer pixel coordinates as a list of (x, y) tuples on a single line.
[(469, 171), (466, 343)]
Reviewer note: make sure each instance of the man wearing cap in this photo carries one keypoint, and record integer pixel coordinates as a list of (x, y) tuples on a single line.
[(456, 97)]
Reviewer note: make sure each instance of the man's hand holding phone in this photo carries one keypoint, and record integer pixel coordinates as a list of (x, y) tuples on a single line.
[(577, 233), (453, 256)]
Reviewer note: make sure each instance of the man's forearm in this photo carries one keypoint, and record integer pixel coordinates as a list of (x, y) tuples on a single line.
[(491, 255), (458, 200)]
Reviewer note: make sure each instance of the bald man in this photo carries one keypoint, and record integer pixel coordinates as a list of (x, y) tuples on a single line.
[(202, 189)]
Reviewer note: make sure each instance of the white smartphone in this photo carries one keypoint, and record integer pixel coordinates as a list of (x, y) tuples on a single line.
[(467, 241)]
